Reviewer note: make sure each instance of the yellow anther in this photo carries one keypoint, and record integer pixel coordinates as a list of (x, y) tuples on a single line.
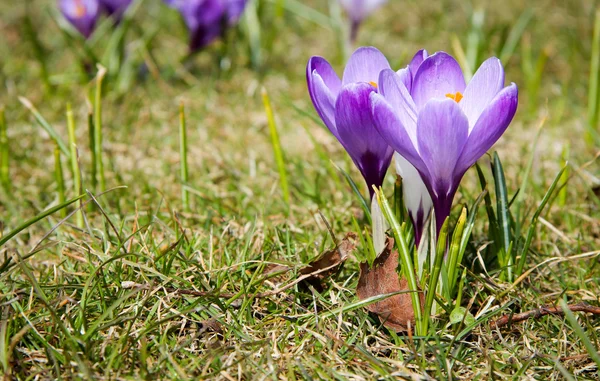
[(455, 97), (373, 84)]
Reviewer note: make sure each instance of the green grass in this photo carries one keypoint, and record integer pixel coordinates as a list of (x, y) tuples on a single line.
[(125, 292)]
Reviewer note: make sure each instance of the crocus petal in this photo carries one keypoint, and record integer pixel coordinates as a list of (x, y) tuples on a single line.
[(364, 65), (489, 127), (483, 87), (359, 9), (442, 131), (396, 94), (390, 127), (235, 8), (324, 69), (415, 193), (437, 76), (82, 14), (323, 87), (368, 150), (416, 61), (405, 77), (324, 102)]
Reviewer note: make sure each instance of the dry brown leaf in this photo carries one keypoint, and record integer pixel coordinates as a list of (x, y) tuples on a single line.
[(210, 325), (331, 259), (394, 312)]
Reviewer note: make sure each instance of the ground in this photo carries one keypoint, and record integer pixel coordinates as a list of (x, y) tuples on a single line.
[(146, 288)]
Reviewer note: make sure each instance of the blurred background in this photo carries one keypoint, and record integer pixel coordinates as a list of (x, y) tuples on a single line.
[(546, 47)]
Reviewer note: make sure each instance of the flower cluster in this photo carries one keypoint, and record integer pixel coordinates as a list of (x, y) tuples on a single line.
[(206, 20), (436, 123)]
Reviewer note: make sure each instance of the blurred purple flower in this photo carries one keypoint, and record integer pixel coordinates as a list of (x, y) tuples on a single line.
[(82, 14), (115, 7), (358, 10), (207, 20), (439, 124), (343, 105)]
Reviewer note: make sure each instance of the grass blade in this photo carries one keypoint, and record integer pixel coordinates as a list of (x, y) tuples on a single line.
[(440, 252), (362, 200), (4, 153), (98, 127), (594, 81), (185, 197), (534, 221), (37, 218), (276, 147), (514, 36), (74, 162), (253, 30), (454, 254), (591, 349), (503, 215), (60, 180), (92, 146), (45, 125)]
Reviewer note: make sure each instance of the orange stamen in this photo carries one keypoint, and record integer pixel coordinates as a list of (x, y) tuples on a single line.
[(455, 97), (373, 84), (79, 9)]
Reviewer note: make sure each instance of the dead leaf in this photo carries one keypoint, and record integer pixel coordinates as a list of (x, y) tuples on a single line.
[(394, 312), (331, 259), (210, 325), (276, 272)]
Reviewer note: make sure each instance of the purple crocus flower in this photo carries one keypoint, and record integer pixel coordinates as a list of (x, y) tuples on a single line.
[(358, 10), (115, 7), (439, 124), (82, 14), (207, 19), (344, 107)]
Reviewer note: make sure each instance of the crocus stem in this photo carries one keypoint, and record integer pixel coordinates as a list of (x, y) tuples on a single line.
[(378, 226), (354, 25)]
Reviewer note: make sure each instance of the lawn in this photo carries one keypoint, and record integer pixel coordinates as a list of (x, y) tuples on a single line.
[(159, 273)]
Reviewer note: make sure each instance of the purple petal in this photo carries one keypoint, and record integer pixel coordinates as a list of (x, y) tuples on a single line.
[(437, 76), (82, 14), (390, 127), (235, 8), (405, 77), (483, 87), (396, 94), (442, 131), (364, 65), (359, 9), (368, 150), (323, 87), (324, 102), (489, 127), (416, 61), (324, 69)]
